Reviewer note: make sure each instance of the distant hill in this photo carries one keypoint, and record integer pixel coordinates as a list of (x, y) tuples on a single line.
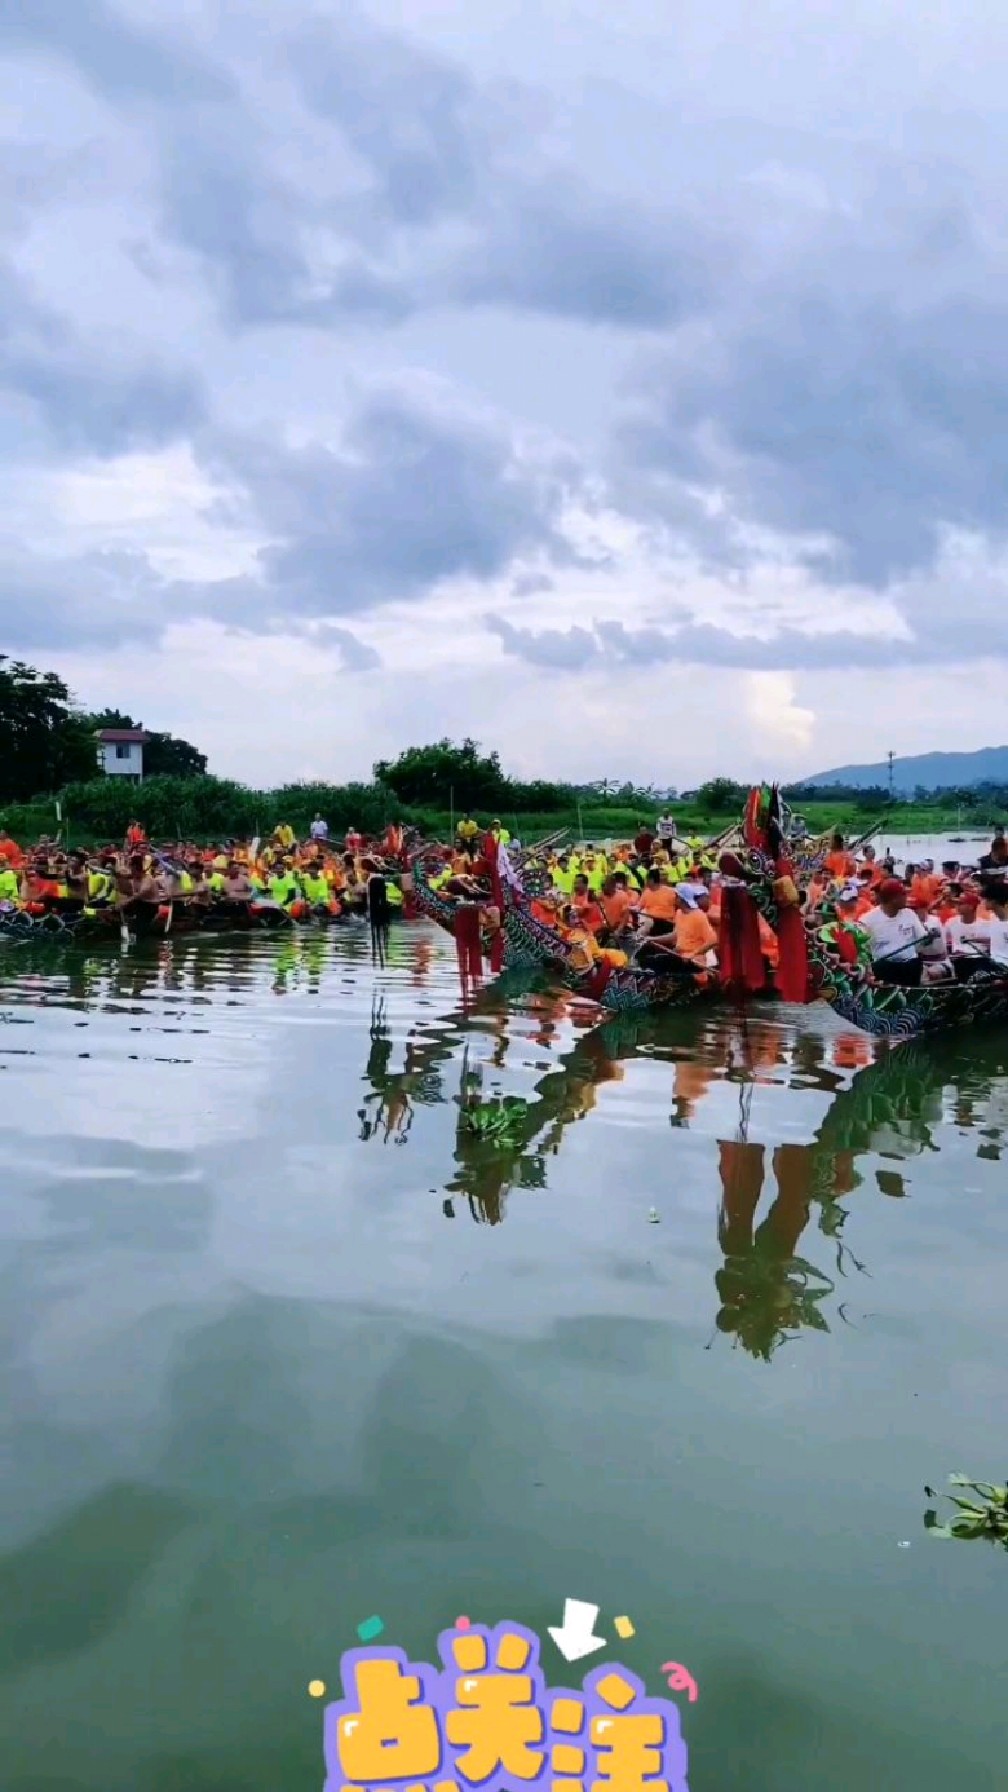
[(933, 771)]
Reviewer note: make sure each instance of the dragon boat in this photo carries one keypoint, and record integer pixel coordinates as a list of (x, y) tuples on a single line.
[(495, 925), (823, 958), (618, 989), (64, 924)]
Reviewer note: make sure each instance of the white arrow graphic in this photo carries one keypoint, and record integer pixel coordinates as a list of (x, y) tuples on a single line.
[(576, 1635)]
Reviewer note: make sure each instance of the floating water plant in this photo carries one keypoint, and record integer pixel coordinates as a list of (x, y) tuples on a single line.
[(986, 1516), (498, 1122)]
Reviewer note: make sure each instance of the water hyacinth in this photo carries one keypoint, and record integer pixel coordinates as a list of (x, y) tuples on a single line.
[(497, 1121), (983, 1517)]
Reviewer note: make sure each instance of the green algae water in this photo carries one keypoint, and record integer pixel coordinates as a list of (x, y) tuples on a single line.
[(287, 1344)]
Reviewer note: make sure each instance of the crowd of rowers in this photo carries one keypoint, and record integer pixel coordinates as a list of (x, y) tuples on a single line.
[(656, 903), (313, 877)]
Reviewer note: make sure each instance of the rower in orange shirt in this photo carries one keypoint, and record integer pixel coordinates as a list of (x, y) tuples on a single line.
[(660, 903), (839, 862), (924, 887), (616, 906), (583, 902), (695, 938)]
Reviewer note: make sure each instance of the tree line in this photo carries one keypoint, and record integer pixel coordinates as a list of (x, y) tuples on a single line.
[(48, 748), (47, 741)]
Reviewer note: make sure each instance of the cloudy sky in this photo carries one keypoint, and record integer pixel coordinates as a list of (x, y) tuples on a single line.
[(627, 386)]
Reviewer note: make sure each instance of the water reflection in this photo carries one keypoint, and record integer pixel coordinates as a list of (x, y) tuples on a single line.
[(783, 1214), (780, 1228)]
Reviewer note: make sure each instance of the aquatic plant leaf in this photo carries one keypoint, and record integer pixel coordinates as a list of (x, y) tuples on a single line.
[(986, 1517)]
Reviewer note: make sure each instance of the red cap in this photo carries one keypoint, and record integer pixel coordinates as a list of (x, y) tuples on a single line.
[(890, 888)]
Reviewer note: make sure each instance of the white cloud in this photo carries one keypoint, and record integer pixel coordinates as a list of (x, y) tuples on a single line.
[(777, 717), (326, 342)]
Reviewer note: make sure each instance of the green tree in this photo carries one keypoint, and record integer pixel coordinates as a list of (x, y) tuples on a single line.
[(720, 796), (165, 756), (429, 775), (44, 740)]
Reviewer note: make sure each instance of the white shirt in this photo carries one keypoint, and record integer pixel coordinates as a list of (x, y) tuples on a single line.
[(320, 830), (963, 935), (894, 937), (667, 828), (992, 937)]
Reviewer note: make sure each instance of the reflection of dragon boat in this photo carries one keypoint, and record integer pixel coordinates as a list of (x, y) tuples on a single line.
[(768, 1292)]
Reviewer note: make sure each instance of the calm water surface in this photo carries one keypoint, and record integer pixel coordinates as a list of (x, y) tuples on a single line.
[(282, 1348)]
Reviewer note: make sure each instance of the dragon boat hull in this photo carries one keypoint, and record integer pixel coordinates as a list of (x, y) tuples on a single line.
[(618, 990), (68, 926)]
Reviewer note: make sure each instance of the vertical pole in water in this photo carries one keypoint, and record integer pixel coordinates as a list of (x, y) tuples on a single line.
[(451, 799)]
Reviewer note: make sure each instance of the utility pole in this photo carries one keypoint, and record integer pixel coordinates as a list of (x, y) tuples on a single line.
[(891, 757)]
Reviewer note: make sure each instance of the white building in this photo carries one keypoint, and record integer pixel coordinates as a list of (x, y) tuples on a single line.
[(120, 752)]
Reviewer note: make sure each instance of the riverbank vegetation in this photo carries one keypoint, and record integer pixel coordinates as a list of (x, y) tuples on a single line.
[(208, 808), (50, 782)]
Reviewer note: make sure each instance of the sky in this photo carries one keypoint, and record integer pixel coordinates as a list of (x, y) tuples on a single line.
[(626, 387)]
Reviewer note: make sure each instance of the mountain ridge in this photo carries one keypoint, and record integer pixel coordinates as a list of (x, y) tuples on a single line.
[(932, 771)]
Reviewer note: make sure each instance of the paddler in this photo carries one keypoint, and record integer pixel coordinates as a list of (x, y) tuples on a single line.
[(586, 951), (316, 889), (659, 904), (10, 883), (283, 885)]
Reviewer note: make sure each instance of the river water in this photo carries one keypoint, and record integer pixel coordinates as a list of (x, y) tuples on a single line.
[(282, 1349)]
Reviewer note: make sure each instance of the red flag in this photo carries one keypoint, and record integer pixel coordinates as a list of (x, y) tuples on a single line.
[(739, 954), (792, 975)]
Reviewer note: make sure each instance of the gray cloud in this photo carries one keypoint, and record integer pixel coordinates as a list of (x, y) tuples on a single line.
[(827, 414), (423, 189), (611, 644), (94, 397), (566, 650), (412, 118), (413, 495), (111, 600), (357, 655), (88, 600), (820, 313), (112, 55)]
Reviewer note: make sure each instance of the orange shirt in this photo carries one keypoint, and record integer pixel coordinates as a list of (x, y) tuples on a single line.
[(924, 890), (11, 851), (661, 903), (839, 864), (616, 909), (589, 915), (694, 935)]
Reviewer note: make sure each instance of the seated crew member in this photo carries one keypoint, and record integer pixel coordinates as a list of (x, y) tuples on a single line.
[(658, 904), (897, 935)]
